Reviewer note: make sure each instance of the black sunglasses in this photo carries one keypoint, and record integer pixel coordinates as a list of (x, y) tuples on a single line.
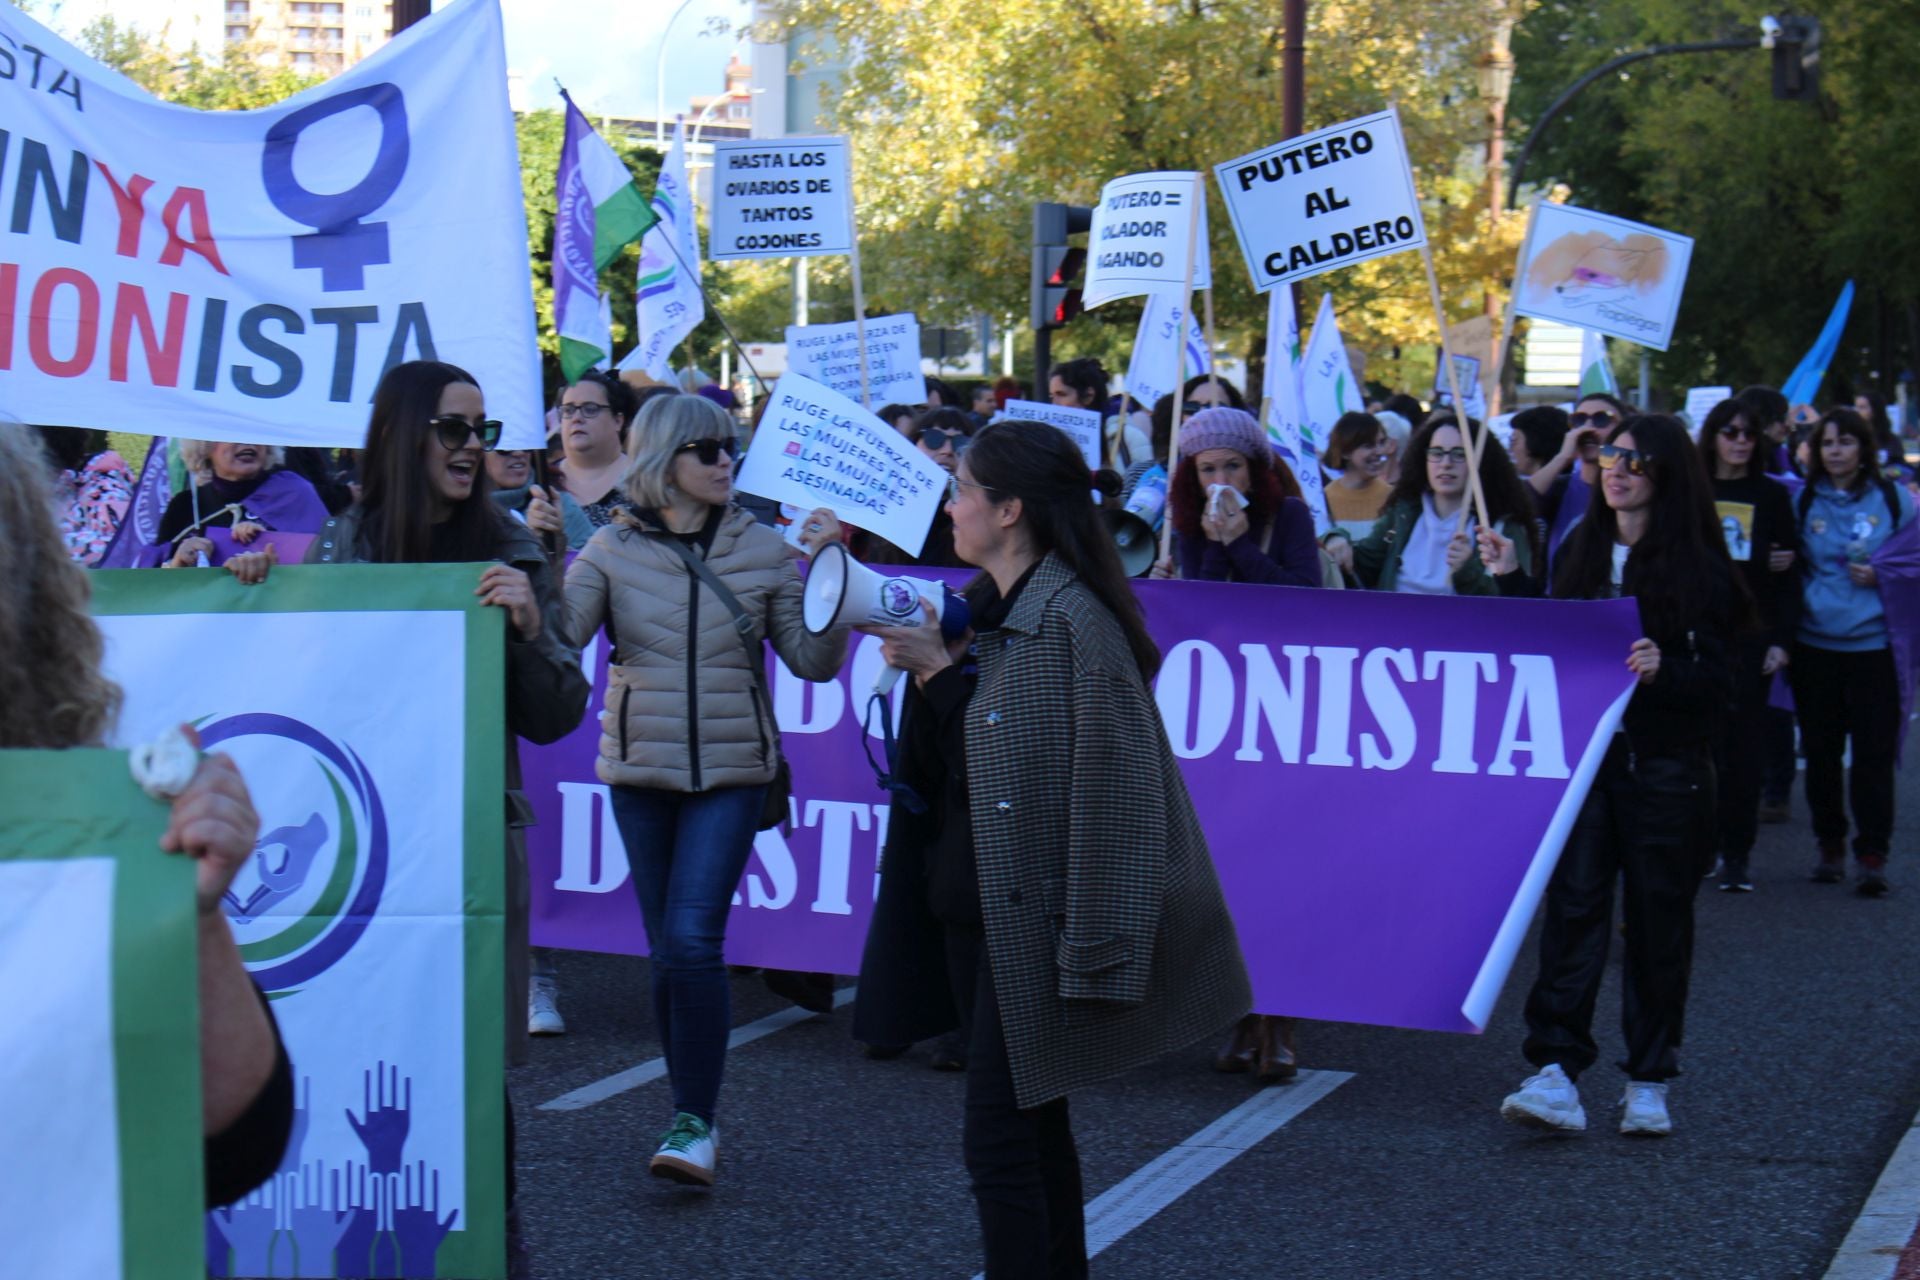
[(708, 451), (1636, 462), (1602, 419), (454, 430), (1740, 433), (935, 439)]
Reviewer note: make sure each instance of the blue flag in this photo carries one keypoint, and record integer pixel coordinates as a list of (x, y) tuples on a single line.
[(1804, 383)]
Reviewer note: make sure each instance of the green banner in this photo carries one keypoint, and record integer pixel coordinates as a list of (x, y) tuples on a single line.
[(100, 1123)]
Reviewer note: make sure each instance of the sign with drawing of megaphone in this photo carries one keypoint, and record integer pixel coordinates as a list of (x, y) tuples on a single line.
[(842, 592)]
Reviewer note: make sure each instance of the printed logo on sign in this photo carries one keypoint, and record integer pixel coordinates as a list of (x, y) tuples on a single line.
[(342, 246), (898, 597), (314, 882)]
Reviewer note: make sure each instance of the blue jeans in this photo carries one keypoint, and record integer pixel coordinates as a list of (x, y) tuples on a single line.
[(687, 851)]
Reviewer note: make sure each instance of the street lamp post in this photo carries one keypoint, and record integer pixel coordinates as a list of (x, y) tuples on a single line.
[(660, 79)]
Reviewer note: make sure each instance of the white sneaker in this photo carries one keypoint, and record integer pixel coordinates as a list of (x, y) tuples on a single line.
[(1547, 1100), (543, 1013), (688, 1152), (1645, 1114)]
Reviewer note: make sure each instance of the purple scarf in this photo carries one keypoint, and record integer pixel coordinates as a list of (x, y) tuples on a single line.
[(284, 502)]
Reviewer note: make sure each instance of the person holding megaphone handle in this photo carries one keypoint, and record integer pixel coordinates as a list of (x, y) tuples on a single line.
[(1045, 884)]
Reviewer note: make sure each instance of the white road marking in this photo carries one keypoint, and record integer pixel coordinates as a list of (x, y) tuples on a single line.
[(656, 1068), (1158, 1183), (1888, 1222)]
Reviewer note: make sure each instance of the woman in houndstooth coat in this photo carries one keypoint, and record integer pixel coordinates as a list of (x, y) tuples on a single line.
[(1045, 884)]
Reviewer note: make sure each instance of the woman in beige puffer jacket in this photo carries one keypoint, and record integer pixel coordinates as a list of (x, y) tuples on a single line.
[(687, 744)]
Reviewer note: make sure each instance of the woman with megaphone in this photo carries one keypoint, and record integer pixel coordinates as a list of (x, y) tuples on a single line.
[(689, 586), (1046, 885)]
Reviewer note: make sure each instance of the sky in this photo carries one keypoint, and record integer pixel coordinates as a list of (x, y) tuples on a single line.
[(605, 51)]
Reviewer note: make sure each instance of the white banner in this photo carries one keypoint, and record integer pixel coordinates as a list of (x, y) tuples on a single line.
[(1138, 241), (1327, 386), (1603, 273), (1082, 424), (817, 448), (830, 355), (1154, 368), (1286, 423), (249, 275), (1700, 402), (1323, 200), (780, 198)]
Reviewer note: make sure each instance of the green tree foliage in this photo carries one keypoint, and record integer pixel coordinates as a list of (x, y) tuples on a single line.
[(1785, 200)]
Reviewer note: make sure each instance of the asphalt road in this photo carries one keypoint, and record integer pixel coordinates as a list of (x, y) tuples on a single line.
[(1802, 1071)]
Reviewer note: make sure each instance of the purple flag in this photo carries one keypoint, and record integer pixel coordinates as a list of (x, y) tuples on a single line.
[(1896, 562), (141, 526), (1385, 781)]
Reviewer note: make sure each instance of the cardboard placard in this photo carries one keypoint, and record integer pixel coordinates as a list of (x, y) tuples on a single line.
[(780, 198)]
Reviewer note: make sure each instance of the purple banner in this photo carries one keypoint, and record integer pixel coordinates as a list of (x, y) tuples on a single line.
[(1385, 781), (141, 525)]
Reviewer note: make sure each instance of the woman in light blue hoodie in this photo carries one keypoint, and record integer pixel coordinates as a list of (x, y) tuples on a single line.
[(1844, 681)]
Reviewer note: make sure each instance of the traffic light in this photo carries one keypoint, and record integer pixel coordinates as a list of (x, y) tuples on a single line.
[(1796, 59), (1056, 264)]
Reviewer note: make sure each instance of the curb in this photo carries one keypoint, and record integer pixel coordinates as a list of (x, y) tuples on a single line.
[(1884, 1243)]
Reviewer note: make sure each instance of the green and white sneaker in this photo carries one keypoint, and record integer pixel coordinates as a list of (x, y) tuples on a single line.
[(688, 1152)]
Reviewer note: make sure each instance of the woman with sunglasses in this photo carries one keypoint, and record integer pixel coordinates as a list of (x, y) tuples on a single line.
[(688, 741), (1565, 484), (1048, 889), (1647, 820), (1847, 687), (594, 413), (1419, 545), (1756, 519)]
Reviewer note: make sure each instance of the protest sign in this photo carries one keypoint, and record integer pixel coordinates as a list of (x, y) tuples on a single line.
[(250, 275), (1283, 403), (1081, 424), (817, 448), (1602, 273), (372, 910), (1700, 402), (830, 355), (1323, 200), (1138, 241), (1466, 372), (780, 198), (100, 1145), (1153, 368), (1290, 713)]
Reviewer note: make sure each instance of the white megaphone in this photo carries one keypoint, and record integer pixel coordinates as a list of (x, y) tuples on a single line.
[(1134, 527), (842, 592)]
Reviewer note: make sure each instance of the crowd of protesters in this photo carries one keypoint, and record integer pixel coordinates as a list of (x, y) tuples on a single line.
[(1770, 549)]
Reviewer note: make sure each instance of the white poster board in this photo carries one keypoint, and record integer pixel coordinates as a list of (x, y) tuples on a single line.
[(1467, 370), (1323, 200), (1700, 402), (780, 198), (1138, 241), (817, 448), (1082, 424), (830, 355), (1603, 273)]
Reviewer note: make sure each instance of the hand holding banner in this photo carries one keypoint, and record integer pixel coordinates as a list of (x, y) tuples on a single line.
[(816, 448), (1323, 200)]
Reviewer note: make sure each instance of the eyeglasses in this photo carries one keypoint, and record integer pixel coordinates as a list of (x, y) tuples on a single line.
[(1447, 455), (708, 451), (935, 439), (1636, 462), (586, 412), (454, 430), (1739, 433), (1602, 420), (955, 484)]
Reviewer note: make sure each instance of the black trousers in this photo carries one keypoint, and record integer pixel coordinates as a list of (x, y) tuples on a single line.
[(1781, 763), (1740, 763), (1023, 1165), (1647, 822), (1840, 696)]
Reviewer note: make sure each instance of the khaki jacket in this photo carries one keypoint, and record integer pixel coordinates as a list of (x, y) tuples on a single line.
[(682, 711)]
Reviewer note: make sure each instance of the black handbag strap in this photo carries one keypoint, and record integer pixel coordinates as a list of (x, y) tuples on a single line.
[(742, 621)]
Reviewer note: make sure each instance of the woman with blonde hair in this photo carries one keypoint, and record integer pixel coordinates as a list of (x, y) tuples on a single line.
[(690, 588), (244, 488)]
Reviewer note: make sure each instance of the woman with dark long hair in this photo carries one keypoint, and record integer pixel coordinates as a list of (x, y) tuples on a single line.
[(1756, 520), (1418, 545), (1846, 683), (1236, 508), (1647, 820), (1047, 886)]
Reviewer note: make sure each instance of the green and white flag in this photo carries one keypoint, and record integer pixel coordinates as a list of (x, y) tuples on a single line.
[(100, 1147), (598, 212), (1596, 371), (1327, 386), (364, 704)]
